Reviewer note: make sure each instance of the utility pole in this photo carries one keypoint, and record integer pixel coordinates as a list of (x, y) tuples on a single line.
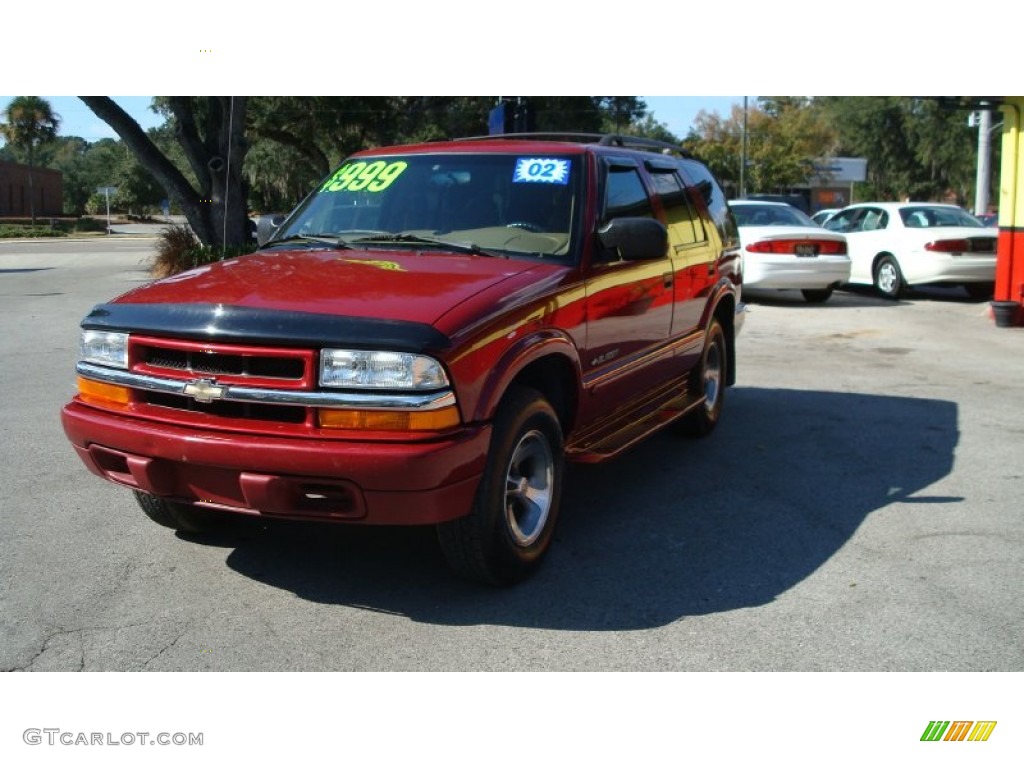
[(743, 154), (984, 170)]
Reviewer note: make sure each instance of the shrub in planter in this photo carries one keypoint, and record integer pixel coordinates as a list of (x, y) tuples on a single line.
[(178, 250)]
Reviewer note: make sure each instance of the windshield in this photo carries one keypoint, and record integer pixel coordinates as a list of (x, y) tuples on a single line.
[(748, 215), (919, 216), (509, 205)]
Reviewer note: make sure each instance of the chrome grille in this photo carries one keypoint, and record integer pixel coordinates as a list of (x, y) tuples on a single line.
[(221, 364)]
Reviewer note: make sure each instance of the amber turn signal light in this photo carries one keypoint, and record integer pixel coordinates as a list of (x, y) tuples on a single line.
[(99, 393), (390, 421)]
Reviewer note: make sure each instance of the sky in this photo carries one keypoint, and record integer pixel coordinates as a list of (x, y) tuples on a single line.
[(676, 112)]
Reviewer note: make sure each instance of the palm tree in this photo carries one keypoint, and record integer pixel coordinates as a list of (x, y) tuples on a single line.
[(29, 122)]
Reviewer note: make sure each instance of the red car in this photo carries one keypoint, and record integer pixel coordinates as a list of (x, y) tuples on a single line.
[(427, 339)]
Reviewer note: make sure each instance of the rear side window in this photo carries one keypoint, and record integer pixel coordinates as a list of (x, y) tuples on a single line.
[(625, 194), (683, 223), (872, 219), (711, 194)]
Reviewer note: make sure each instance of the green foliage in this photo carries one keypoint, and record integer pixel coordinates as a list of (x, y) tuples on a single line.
[(8, 231), (29, 122), (916, 147), (295, 141), (784, 137), (137, 191), (647, 128), (292, 142), (88, 224)]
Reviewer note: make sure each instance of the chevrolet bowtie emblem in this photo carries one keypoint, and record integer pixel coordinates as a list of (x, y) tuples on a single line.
[(204, 390)]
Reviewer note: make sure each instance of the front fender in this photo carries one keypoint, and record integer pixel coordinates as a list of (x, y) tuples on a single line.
[(550, 346)]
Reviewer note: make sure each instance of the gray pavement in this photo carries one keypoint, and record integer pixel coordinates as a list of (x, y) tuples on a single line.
[(857, 510)]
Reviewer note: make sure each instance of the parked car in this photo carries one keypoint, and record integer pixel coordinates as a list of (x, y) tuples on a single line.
[(783, 249), (426, 340), (820, 217), (894, 246)]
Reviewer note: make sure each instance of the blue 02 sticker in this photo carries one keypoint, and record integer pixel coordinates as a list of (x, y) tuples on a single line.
[(542, 170)]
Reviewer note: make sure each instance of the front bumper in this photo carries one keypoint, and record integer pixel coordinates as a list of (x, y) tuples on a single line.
[(370, 482)]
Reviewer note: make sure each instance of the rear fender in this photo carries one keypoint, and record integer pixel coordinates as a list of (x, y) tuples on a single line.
[(723, 306)]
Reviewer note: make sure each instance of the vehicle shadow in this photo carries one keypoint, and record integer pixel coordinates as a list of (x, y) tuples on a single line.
[(840, 299), (853, 296), (954, 294), (673, 528)]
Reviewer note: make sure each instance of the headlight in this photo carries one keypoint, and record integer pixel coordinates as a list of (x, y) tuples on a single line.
[(104, 348), (361, 369)]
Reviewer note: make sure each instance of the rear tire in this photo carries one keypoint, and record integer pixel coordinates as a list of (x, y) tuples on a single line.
[(174, 514), (817, 296), (889, 278), (506, 535), (710, 378)]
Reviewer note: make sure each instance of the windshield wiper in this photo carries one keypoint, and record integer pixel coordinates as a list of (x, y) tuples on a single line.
[(411, 239), (321, 239)]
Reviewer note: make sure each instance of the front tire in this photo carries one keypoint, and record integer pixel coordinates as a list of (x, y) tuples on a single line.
[(506, 535), (889, 278), (709, 378), (175, 515)]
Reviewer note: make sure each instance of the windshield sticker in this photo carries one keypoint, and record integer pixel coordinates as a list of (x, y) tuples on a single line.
[(371, 177), (543, 170)]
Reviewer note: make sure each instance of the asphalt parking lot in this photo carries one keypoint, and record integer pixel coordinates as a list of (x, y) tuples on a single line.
[(858, 510)]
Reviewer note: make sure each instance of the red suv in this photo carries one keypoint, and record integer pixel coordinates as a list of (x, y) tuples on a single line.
[(427, 339)]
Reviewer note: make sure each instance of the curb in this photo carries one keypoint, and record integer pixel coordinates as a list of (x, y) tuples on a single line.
[(99, 238)]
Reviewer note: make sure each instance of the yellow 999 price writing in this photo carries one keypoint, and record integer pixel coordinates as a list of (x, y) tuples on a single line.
[(373, 177)]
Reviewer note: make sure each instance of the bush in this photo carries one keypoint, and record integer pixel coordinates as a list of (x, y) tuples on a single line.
[(27, 230), (178, 250), (86, 224)]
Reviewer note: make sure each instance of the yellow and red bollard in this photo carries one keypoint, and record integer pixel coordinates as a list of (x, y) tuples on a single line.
[(1009, 289)]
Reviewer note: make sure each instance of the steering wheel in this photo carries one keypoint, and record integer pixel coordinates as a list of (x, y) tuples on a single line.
[(529, 226)]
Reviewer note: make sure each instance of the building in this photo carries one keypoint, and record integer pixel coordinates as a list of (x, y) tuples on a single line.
[(16, 193), (831, 185)]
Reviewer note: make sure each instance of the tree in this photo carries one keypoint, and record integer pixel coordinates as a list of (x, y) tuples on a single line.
[(784, 138), (30, 122), (915, 147), (211, 132), (650, 128), (297, 140), (280, 146), (137, 190)]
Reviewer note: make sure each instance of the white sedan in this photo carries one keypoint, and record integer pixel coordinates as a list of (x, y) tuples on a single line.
[(894, 246), (784, 250), (820, 217)]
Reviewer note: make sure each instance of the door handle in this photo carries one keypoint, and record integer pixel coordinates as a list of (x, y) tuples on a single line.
[(667, 279)]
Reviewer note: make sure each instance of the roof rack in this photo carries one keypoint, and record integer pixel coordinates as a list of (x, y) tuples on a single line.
[(603, 139)]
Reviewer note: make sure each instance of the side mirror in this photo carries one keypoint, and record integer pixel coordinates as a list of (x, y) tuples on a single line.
[(635, 238), (267, 225)]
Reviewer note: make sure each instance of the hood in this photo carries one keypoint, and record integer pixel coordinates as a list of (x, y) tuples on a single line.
[(382, 284)]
